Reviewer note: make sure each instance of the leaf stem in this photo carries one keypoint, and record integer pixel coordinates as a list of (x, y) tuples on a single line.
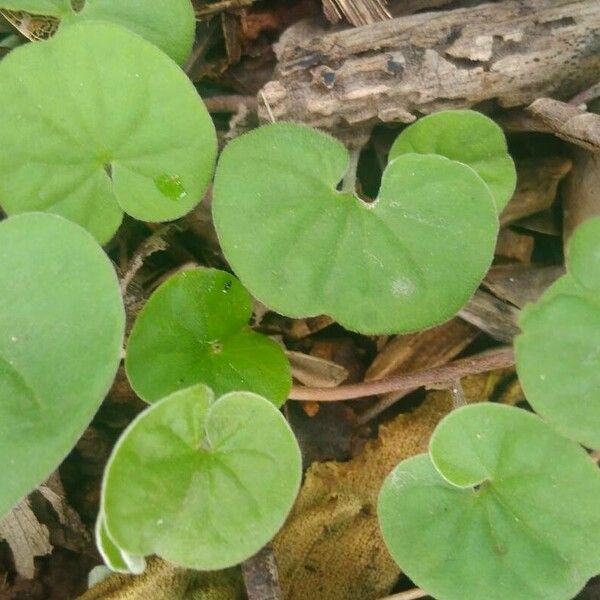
[(349, 181), (488, 361)]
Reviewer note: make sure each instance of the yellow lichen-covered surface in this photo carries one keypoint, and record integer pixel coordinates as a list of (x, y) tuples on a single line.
[(164, 581), (330, 547)]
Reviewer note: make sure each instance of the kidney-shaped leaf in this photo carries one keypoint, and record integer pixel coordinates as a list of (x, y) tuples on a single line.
[(88, 138), (194, 329), (61, 329), (51, 8), (558, 352), (202, 483), (467, 137), (168, 24), (503, 507), (407, 261)]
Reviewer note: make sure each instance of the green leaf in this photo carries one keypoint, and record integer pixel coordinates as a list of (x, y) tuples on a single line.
[(61, 329), (408, 261), (114, 558), (194, 329), (51, 8), (201, 483), (88, 138), (504, 508), (467, 137), (168, 24), (558, 352), (584, 255)]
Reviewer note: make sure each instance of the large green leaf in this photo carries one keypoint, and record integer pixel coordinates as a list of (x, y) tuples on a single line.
[(467, 137), (52, 8), (194, 329), (202, 483), (502, 508), (409, 260), (558, 352), (89, 138), (61, 329), (168, 24)]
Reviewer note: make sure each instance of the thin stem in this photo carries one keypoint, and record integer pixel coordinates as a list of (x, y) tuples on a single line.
[(458, 394), (488, 361), (349, 182), (408, 595)]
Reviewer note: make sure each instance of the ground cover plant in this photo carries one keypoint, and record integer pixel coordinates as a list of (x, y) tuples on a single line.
[(205, 459)]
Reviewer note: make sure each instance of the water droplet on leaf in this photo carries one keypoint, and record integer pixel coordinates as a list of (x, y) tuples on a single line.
[(170, 186)]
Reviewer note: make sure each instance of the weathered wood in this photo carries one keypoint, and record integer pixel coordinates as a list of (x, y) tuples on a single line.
[(568, 122), (496, 318), (509, 53), (261, 576)]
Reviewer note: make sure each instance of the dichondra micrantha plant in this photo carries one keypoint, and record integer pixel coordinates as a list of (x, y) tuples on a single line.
[(99, 122)]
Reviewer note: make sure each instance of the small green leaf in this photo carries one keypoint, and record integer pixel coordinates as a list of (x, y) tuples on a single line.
[(194, 329), (61, 329), (168, 24), (201, 483), (496, 511), (88, 138), (558, 352), (409, 260), (468, 137)]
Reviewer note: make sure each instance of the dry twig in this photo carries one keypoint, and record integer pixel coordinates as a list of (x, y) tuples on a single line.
[(495, 359)]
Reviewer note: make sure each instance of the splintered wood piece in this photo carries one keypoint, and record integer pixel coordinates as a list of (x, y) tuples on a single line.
[(429, 348), (515, 246), (537, 182), (512, 52), (33, 27), (546, 222), (356, 12), (491, 315), (519, 284), (315, 371), (406, 353), (568, 122)]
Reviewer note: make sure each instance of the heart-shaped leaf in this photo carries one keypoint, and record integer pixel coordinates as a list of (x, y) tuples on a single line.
[(202, 483), (61, 329), (467, 137), (88, 138), (168, 24), (558, 352), (194, 329), (502, 508), (51, 8), (409, 260)]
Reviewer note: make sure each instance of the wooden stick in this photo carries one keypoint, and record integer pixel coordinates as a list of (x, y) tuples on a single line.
[(488, 361), (509, 53)]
